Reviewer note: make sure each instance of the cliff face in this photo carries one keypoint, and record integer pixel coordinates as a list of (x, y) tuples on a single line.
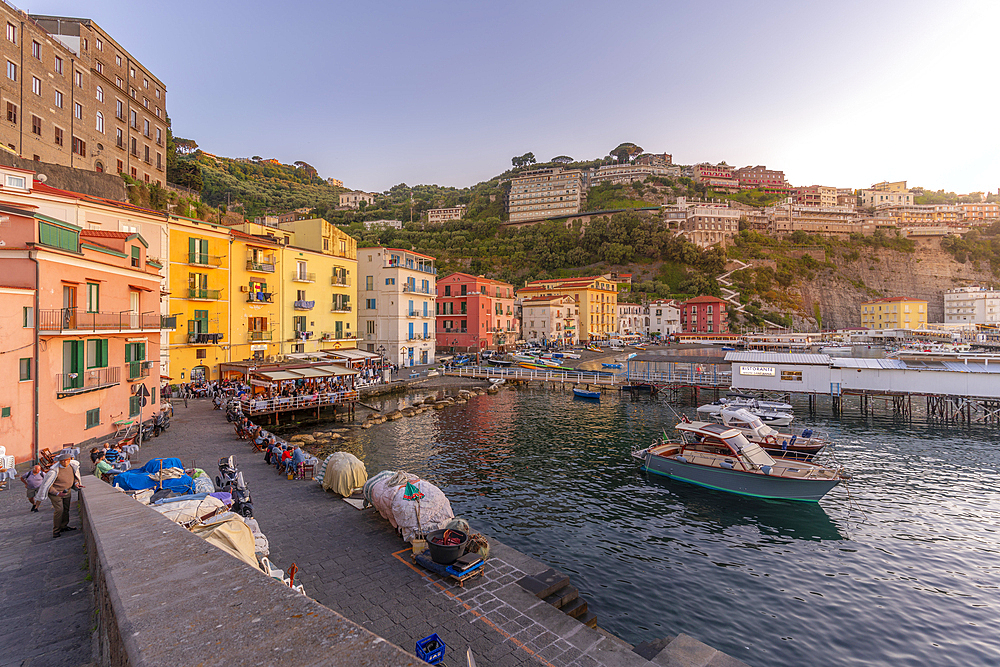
[(923, 274)]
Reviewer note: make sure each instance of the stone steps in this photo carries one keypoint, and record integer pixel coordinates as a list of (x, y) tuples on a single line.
[(684, 651), (553, 587)]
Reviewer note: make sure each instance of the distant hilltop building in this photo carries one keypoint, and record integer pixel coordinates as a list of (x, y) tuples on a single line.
[(972, 305), (545, 193), (886, 186), (719, 177), (703, 223), (73, 96), (630, 173), (877, 197), (335, 182), (980, 214), (354, 199), (815, 195), (761, 178), (654, 160), (439, 215), (383, 224)]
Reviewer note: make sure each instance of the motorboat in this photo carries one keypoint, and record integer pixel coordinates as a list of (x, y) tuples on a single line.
[(837, 350), (804, 444), (735, 398), (768, 415), (506, 363), (618, 366), (583, 393), (718, 457)]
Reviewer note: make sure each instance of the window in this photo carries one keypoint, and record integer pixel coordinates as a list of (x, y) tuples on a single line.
[(146, 154), (369, 282), (201, 354), (97, 353), (145, 82), (136, 256), (390, 281), (134, 405), (100, 94), (79, 147), (131, 71), (791, 376), (100, 122), (120, 110), (36, 85), (157, 112), (119, 82), (157, 93), (132, 119), (16, 182), (145, 127), (59, 137), (78, 79), (11, 112), (11, 71), (51, 235), (370, 304), (370, 326), (93, 418), (59, 65), (93, 297), (12, 32), (145, 102), (299, 322), (73, 364), (121, 165), (85, 43), (24, 369), (59, 99), (119, 140), (118, 60), (159, 137), (159, 161), (28, 317), (78, 110), (99, 44)]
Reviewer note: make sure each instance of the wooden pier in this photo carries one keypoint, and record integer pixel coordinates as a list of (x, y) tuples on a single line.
[(526, 375), (273, 407)]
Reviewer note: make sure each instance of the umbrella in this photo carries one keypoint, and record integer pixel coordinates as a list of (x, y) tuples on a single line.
[(411, 492)]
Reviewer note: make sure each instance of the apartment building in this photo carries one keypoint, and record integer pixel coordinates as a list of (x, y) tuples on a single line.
[(550, 320), (383, 224), (847, 197), (335, 182), (317, 310), (815, 195), (761, 178), (719, 177), (255, 308), (630, 318), (72, 95), (662, 318), (595, 296), (80, 313), (630, 173), (475, 313), (824, 220), (396, 294), (923, 215), (654, 160), (354, 199), (875, 198), (704, 314), (436, 216), (545, 193), (980, 214), (704, 224), (894, 312), (972, 305)]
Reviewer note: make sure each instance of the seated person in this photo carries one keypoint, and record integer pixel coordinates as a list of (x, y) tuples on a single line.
[(102, 467)]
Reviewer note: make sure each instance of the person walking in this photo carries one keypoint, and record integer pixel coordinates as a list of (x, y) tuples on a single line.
[(58, 485), (32, 480)]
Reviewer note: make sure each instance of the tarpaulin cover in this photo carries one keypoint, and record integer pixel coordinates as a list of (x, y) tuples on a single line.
[(153, 465), (231, 534), (410, 517), (203, 485), (190, 508), (136, 480), (343, 473)]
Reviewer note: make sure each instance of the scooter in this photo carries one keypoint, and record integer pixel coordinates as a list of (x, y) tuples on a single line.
[(242, 503), (227, 473), (233, 412), (161, 422)]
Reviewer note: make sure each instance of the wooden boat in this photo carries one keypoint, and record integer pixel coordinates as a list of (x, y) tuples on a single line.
[(803, 445), (505, 363), (718, 457), (618, 366), (583, 393)]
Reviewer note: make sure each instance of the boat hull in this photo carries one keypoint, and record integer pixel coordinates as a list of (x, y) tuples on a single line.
[(739, 482), (590, 395)]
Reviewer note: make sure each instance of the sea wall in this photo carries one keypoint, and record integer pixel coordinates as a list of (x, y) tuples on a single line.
[(167, 597)]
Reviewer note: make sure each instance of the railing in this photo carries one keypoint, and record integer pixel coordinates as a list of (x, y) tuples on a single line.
[(419, 290), (304, 305), (686, 374), (203, 259), (340, 308), (340, 281), (335, 336), (537, 374), (259, 336), (397, 265), (303, 277), (69, 384), (73, 319), (253, 407), (168, 322), (204, 294), (204, 338), (260, 267), (259, 297), (138, 369)]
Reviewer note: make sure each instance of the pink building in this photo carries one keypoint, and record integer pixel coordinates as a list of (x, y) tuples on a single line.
[(82, 310), (475, 313), (761, 178), (704, 314)]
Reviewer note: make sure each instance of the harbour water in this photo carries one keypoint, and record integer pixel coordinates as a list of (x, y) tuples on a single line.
[(900, 567)]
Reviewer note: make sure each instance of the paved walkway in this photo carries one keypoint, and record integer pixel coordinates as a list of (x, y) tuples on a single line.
[(46, 600), (353, 562)]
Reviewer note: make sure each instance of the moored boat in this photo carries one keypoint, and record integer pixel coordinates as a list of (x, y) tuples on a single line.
[(505, 363), (618, 366), (803, 445), (583, 393), (718, 457), (768, 415)]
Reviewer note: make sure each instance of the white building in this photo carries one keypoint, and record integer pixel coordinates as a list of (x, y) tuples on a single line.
[(550, 319), (382, 224), (878, 198), (629, 173), (703, 223), (545, 193), (631, 318), (354, 199), (396, 293), (971, 305), (663, 318), (436, 216)]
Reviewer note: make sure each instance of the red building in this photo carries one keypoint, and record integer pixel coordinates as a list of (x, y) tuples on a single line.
[(475, 313), (762, 178), (704, 314)]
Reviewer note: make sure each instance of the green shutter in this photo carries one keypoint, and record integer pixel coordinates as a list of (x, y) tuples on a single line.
[(103, 351)]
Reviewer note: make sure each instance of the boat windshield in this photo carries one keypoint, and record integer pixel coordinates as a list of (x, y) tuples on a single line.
[(750, 450)]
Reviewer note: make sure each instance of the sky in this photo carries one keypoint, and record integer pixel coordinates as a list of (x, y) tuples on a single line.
[(378, 93)]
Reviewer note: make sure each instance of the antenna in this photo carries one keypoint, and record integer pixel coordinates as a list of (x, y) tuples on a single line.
[(41, 178)]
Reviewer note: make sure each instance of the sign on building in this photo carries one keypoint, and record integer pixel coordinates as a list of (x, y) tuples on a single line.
[(756, 370)]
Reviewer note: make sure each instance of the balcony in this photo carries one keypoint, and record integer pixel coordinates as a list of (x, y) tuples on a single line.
[(340, 281), (138, 369), (340, 307), (260, 297), (264, 266), (333, 335), (302, 277), (304, 305), (413, 289), (204, 338), (73, 319), (259, 336), (299, 335), (204, 294), (202, 259), (70, 384)]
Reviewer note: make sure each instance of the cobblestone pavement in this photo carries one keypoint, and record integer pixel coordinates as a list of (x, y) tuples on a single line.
[(46, 600), (354, 562)]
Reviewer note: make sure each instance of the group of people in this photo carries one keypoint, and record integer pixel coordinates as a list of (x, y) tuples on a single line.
[(55, 482), (110, 459), (284, 458)]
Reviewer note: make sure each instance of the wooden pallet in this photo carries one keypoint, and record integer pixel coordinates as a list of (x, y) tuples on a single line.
[(424, 560)]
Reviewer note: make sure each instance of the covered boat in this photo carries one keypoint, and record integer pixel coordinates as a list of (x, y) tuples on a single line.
[(718, 457), (804, 445), (768, 415), (583, 393)]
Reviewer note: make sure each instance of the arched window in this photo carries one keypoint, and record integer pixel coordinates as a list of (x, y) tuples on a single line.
[(99, 168), (100, 122), (100, 94)]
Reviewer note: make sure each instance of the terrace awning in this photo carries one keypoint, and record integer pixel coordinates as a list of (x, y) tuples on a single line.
[(280, 375), (337, 370)]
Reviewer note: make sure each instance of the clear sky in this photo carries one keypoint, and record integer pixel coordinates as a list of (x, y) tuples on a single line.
[(377, 93)]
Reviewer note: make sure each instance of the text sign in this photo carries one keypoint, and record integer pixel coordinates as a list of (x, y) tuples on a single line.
[(756, 370)]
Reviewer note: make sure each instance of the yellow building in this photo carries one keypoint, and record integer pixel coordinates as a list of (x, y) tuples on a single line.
[(894, 312), (255, 311), (316, 301), (200, 295), (596, 300)]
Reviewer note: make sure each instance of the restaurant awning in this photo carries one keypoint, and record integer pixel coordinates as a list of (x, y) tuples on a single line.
[(312, 372), (337, 370), (280, 375)]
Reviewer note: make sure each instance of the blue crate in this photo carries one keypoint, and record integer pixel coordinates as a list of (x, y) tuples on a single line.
[(432, 657)]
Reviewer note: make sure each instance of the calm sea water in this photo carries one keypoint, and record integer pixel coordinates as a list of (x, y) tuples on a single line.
[(901, 567)]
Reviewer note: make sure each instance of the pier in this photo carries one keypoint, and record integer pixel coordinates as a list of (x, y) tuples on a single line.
[(526, 375)]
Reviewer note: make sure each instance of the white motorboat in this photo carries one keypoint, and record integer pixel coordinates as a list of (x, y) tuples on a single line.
[(803, 444), (769, 412)]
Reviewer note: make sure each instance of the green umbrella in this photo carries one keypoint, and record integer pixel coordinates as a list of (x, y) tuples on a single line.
[(411, 492)]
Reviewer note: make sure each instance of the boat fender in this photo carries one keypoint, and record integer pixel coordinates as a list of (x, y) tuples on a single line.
[(728, 465), (766, 470), (680, 459)]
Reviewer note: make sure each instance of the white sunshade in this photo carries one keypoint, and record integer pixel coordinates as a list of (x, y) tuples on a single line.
[(337, 370), (280, 375)]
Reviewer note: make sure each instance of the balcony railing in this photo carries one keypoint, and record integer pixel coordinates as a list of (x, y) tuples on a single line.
[(138, 369), (304, 305), (333, 335), (73, 319), (259, 297), (203, 259), (259, 336), (413, 289), (204, 338), (298, 277), (204, 294), (69, 384), (413, 267), (260, 267), (340, 307), (340, 281)]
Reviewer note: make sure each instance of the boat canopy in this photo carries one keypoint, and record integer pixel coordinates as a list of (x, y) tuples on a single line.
[(748, 419), (739, 443)]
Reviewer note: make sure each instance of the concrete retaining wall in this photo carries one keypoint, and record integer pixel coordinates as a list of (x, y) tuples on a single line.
[(166, 597), (107, 185)]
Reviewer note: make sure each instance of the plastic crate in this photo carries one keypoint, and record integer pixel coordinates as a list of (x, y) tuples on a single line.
[(434, 656)]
